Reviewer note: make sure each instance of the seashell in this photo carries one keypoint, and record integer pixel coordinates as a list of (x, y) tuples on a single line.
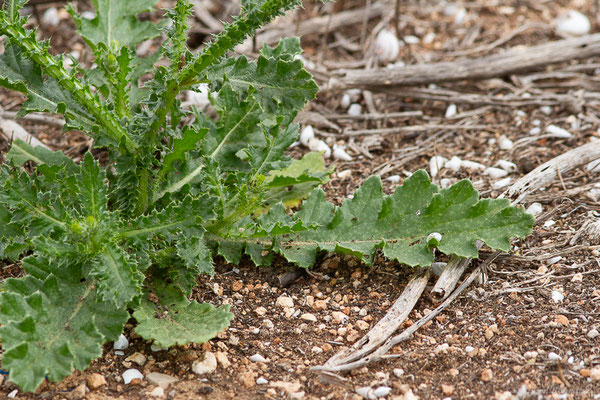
[(387, 46)]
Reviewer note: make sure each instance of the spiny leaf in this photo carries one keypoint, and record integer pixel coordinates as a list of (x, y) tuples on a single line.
[(177, 321), (116, 21), (49, 328), (21, 152)]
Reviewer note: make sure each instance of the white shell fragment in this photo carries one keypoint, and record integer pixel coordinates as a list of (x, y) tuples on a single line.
[(501, 183), (495, 173), (387, 46), (435, 164), (411, 39), (121, 344), (355, 110), (454, 164), (318, 145), (593, 166), (451, 111), (534, 209), (346, 100), (340, 154), (258, 358), (307, 133), (130, 375), (505, 143), (572, 23), (552, 356), (393, 178), (558, 132), (507, 166), (472, 165)]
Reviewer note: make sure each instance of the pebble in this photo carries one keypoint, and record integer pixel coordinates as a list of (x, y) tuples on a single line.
[(546, 110), (121, 344), (595, 374), (319, 305), (382, 391), (507, 165), (530, 355), (307, 133), (51, 17), (247, 379), (268, 324), (347, 173), (548, 224), (362, 325), (572, 23), (451, 111), (505, 143), (442, 348), (371, 394), (346, 100), (558, 132), (157, 392), (316, 350), (393, 178), (13, 394), (308, 317), (411, 39), (469, 349), (398, 372), (339, 317), (258, 358), (454, 164), (535, 131), (593, 333), (355, 109), (261, 381), (284, 301), (552, 356), (137, 358), (534, 209), (557, 296), (161, 380), (206, 365), (131, 374), (95, 381), (260, 311), (487, 375), (501, 183), (495, 173), (435, 164), (447, 389), (553, 260), (78, 393), (222, 359), (387, 46)]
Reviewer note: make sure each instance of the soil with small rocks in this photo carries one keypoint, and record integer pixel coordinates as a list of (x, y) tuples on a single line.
[(530, 330)]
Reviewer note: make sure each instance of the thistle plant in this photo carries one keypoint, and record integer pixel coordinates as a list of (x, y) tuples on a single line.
[(100, 244)]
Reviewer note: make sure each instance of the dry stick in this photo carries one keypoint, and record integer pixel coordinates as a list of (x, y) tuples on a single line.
[(510, 62), (413, 129), (34, 117), (449, 278), (537, 178), (388, 324), (274, 32), (12, 130)]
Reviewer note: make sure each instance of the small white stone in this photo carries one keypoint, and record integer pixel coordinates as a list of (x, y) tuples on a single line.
[(316, 350), (549, 223), (347, 173), (535, 131), (284, 301), (261, 381), (508, 166), (308, 317), (445, 183), (502, 183), (429, 38), (554, 260), (530, 355), (451, 111), (454, 164), (472, 165), (366, 392), (557, 296), (505, 143), (572, 23), (552, 356), (13, 394), (355, 109), (571, 360), (121, 344), (119, 353), (205, 366), (130, 375), (51, 17), (495, 173), (382, 391), (546, 110), (593, 333), (534, 209), (346, 100), (442, 348), (469, 349), (435, 164), (258, 358), (387, 46), (88, 15), (411, 39), (340, 154), (460, 16), (157, 392), (318, 145), (307, 133), (398, 372), (558, 132), (393, 178), (594, 166)]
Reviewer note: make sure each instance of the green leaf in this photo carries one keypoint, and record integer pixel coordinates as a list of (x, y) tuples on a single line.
[(181, 147), (116, 21), (21, 152), (282, 85), (49, 328), (177, 321)]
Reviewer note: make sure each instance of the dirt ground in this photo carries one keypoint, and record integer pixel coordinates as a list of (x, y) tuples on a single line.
[(529, 330)]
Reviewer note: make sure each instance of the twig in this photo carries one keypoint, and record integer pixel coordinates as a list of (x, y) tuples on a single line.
[(34, 117)]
